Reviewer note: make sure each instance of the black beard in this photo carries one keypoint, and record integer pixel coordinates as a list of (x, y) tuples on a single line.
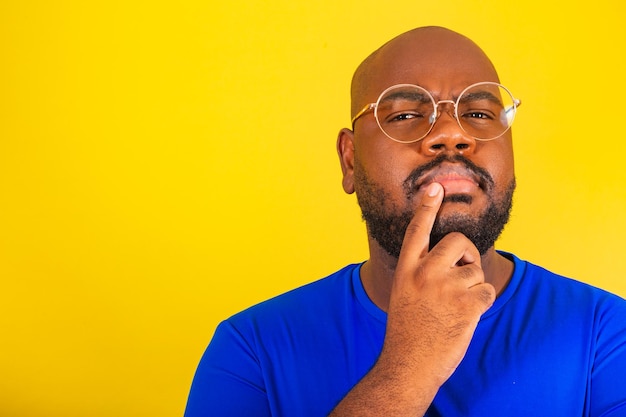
[(387, 225)]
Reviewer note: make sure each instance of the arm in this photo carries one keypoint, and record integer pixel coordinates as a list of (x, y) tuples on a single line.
[(228, 381), (436, 301), (608, 396)]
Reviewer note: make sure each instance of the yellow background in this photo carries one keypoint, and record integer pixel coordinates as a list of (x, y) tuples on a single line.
[(166, 164)]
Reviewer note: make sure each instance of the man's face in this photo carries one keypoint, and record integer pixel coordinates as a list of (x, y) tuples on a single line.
[(387, 225), (389, 177)]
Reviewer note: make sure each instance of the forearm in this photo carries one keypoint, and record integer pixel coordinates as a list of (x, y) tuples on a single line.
[(390, 391)]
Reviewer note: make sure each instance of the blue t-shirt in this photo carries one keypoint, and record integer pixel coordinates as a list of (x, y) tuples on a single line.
[(549, 346)]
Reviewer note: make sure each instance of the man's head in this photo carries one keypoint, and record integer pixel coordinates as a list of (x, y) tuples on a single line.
[(389, 177)]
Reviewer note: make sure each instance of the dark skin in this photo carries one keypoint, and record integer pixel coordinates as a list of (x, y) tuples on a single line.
[(433, 298)]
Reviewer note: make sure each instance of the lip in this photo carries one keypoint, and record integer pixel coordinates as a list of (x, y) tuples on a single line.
[(454, 178)]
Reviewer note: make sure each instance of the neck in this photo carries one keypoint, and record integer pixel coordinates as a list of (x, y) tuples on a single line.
[(377, 273)]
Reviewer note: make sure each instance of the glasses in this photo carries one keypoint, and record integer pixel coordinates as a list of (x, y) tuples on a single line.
[(407, 113)]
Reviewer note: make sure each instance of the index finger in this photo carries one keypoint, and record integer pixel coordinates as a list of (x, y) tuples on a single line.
[(417, 237)]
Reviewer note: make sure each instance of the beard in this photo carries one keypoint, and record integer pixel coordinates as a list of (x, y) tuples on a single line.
[(387, 223)]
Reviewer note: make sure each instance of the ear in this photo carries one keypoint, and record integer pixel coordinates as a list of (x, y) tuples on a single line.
[(345, 149)]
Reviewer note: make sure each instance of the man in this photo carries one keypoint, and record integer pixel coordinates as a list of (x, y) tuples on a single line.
[(436, 322)]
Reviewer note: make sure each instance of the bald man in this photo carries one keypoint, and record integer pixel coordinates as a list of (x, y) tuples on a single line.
[(436, 322)]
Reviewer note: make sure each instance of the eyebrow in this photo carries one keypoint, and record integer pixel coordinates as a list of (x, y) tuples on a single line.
[(409, 95), (481, 95)]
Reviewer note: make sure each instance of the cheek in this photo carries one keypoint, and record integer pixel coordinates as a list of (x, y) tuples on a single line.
[(499, 162), (386, 165)]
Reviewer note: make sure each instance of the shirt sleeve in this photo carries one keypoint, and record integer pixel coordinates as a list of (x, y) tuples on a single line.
[(228, 381), (608, 393)]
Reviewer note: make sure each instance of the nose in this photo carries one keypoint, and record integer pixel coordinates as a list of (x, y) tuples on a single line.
[(446, 134)]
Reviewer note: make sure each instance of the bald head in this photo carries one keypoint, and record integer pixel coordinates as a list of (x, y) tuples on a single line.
[(418, 57)]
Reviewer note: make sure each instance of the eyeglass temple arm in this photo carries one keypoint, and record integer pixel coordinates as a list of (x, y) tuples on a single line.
[(362, 112)]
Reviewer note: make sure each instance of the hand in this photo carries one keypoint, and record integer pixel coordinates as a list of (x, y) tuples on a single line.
[(436, 300)]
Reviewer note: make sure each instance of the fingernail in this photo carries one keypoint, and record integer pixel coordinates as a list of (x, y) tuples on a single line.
[(433, 189)]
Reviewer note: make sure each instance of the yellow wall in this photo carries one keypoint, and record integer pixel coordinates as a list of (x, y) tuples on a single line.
[(166, 164)]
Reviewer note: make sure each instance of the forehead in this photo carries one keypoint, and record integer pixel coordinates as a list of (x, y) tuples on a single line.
[(441, 61)]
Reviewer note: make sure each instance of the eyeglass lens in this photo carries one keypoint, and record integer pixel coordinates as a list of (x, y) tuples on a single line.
[(406, 113)]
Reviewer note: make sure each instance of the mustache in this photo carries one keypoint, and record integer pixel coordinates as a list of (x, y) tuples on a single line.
[(410, 183)]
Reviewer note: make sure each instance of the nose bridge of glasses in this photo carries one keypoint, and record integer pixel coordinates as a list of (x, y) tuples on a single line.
[(452, 102), (451, 110)]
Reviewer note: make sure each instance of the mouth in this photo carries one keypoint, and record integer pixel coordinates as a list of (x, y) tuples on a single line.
[(454, 178), (459, 176)]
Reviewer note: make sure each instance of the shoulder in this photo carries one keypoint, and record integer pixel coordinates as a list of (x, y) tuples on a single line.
[(541, 288), (537, 279), (567, 286), (310, 299)]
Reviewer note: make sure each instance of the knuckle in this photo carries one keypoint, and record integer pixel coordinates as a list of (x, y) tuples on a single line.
[(488, 294), (452, 239), (456, 236), (428, 206), (485, 294), (413, 228), (468, 272)]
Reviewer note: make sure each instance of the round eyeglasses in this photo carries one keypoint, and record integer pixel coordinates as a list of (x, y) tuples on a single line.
[(407, 113)]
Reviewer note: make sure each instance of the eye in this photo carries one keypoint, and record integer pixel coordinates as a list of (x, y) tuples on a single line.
[(478, 114), (404, 116)]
